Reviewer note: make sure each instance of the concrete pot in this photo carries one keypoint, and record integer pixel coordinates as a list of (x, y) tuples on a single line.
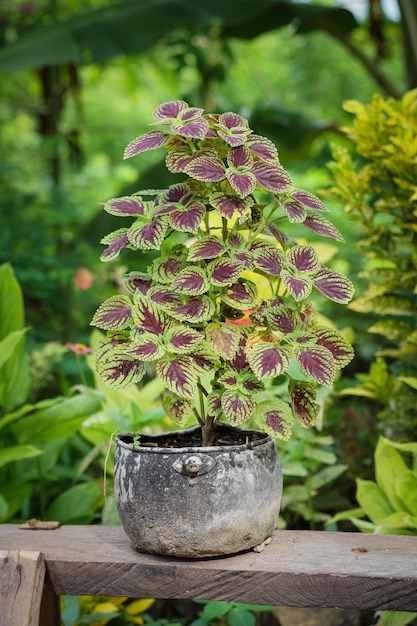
[(197, 501)]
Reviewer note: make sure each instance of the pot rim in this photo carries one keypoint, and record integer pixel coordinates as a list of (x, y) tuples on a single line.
[(193, 449)]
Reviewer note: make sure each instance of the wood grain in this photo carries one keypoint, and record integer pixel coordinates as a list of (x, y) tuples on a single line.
[(300, 568), (22, 575)]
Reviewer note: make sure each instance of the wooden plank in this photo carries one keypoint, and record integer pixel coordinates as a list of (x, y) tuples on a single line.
[(22, 575), (50, 614), (298, 568)]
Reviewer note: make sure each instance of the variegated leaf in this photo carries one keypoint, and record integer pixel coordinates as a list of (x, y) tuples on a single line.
[(146, 347), (126, 205), (194, 310), (283, 319), (138, 281), (115, 241), (242, 183), (205, 359), (179, 375), (182, 340), (303, 396), (229, 379), (279, 234), (317, 362), (164, 270), (214, 404), (227, 204), (249, 381), (268, 360), (149, 141), (208, 247), (268, 259), (295, 211), (241, 295), (224, 271), (178, 158), (262, 148), (272, 177), (223, 338), (308, 199), (237, 407), (342, 351), (116, 368), (191, 123), (180, 192), (299, 286), (191, 281), (166, 298), (206, 169), (149, 317), (233, 129), (240, 159), (334, 285), (320, 225), (169, 111), (114, 314), (148, 235), (276, 418), (304, 259), (179, 410), (188, 220)]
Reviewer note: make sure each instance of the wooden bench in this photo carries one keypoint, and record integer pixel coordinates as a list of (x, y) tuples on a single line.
[(298, 568)]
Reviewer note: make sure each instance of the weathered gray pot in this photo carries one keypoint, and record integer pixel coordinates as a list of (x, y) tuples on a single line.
[(197, 501)]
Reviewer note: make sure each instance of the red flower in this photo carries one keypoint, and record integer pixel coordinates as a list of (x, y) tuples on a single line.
[(83, 279)]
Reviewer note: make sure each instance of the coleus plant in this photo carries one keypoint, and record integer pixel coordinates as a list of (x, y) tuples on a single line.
[(195, 313)]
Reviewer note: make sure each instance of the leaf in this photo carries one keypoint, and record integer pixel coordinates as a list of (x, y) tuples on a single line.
[(17, 453), (269, 260), (179, 410), (149, 317), (317, 363), (182, 340), (126, 205), (373, 501), (299, 286), (149, 141), (320, 225), (334, 285), (224, 271), (262, 148), (206, 169), (303, 401), (236, 406), (10, 343), (209, 247), (240, 616), (187, 220), (295, 211), (148, 235), (396, 618), (168, 112), (389, 468), (242, 183), (14, 374), (115, 241), (304, 259), (194, 310), (308, 199), (276, 418), (77, 505), (272, 177), (268, 360), (233, 129), (115, 367), (179, 375), (192, 281), (62, 418), (241, 296), (341, 350), (227, 204), (145, 347), (165, 269), (114, 314), (215, 609), (223, 338)]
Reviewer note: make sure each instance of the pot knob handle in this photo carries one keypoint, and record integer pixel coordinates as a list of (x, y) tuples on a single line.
[(194, 465)]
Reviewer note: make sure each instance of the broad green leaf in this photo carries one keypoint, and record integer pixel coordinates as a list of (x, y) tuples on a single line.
[(348, 515), (62, 419), (396, 618), (240, 616), (373, 500), (14, 374), (9, 343), (401, 520), (327, 475), (4, 508), (15, 495), (77, 505), (17, 453), (389, 468), (214, 610), (411, 381), (406, 488)]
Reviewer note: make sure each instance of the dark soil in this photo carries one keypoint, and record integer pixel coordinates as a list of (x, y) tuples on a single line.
[(223, 436)]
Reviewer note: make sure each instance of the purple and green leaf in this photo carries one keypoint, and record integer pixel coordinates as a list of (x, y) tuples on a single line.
[(115, 313)]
